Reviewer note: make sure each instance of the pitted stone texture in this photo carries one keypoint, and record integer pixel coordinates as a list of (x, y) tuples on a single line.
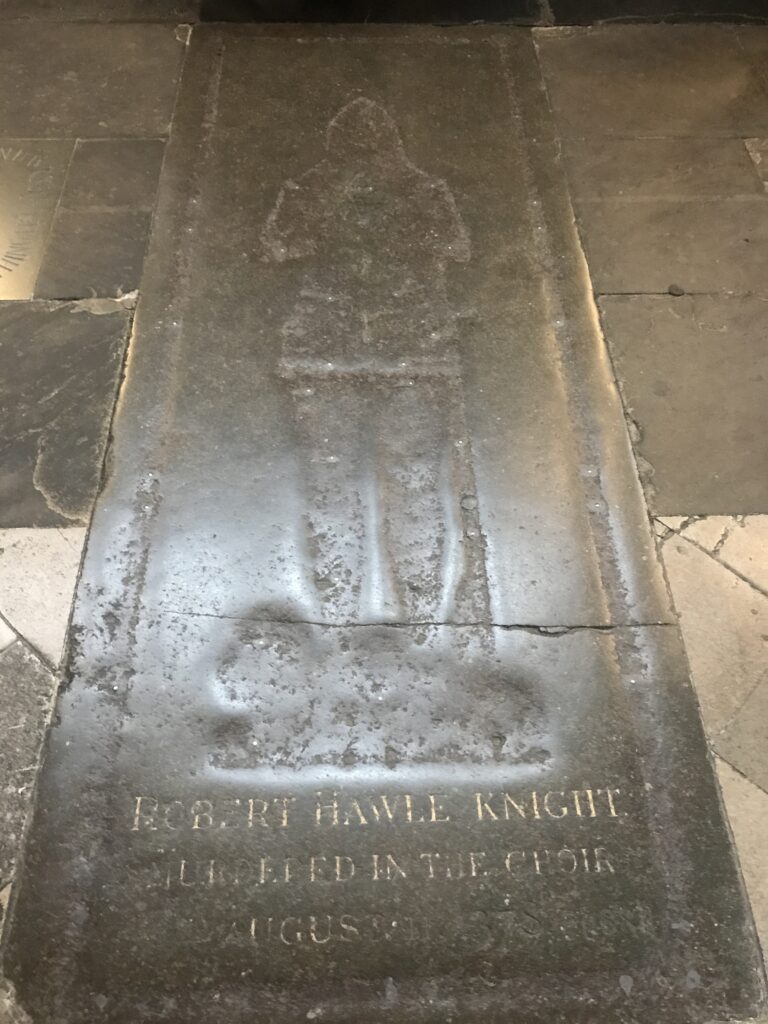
[(60, 365), (38, 571), (26, 695)]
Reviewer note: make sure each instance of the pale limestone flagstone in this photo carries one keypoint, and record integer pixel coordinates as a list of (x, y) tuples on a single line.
[(38, 572)]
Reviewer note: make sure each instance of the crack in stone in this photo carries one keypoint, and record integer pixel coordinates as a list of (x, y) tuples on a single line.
[(527, 627)]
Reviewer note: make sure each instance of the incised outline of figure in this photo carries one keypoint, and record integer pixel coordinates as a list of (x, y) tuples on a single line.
[(371, 360)]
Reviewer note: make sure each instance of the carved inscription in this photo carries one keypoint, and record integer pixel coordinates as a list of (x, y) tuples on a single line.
[(356, 847)]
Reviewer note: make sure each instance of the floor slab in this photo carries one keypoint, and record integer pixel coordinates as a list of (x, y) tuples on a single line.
[(656, 80), (61, 364), (97, 81), (679, 362)]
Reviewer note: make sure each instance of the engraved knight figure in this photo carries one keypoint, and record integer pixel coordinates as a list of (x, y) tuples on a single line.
[(371, 360)]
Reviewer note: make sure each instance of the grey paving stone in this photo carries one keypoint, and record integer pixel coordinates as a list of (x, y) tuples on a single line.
[(725, 628), (747, 808), (59, 366), (26, 693), (608, 168), (99, 10), (369, 448), (693, 373), (701, 245), (745, 549), (657, 80), (113, 81), (32, 174), (114, 174), (38, 571), (94, 254)]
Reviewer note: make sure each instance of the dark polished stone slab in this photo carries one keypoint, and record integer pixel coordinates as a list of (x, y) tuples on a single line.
[(32, 174), (59, 368), (376, 709)]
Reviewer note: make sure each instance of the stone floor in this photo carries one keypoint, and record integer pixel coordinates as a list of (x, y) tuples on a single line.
[(664, 133)]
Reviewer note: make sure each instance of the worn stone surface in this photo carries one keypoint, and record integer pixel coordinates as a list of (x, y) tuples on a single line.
[(680, 362), (94, 253), (102, 81), (372, 554), (26, 694), (656, 80), (745, 549), (708, 532), (699, 245), (689, 168), (38, 570), (725, 626), (106, 175), (60, 366), (747, 808), (31, 179)]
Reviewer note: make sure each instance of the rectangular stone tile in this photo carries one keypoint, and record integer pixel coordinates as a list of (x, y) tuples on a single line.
[(96, 80), (59, 368), (745, 549), (369, 467), (605, 168), (32, 175), (692, 371), (700, 246), (94, 253), (110, 174), (655, 80)]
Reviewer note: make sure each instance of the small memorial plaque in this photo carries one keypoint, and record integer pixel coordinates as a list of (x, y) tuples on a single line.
[(377, 709), (31, 178)]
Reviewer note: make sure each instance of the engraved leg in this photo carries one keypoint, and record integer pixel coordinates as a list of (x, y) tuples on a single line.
[(332, 424)]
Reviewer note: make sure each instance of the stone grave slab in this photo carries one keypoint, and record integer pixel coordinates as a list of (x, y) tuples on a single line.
[(376, 709)]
